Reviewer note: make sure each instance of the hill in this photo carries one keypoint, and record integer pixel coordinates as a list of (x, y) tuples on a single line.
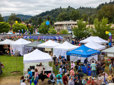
[(21, 16), (53, 13), (85, 13)]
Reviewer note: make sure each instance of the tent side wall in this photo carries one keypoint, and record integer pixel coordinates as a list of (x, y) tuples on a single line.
[(28, 64), (75, 58)]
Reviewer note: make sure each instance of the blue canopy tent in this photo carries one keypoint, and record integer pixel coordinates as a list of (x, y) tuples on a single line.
[(83, 51)]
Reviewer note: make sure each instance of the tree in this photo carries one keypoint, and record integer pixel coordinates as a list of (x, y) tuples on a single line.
[(52, 30), (85, 17), (63, 16), (19, 27), (101, 27), (74, 15), (44, 28), (40, 20), (1, 18), (64, 31), (107, 11), (4, 27), (81, 31), (12, 18)]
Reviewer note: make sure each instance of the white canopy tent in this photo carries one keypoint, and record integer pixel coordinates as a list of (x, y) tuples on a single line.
[(109, 51), (18, 45), (48, 44), (36, 57), (95, 45), (6, 42), (63, 48), (94, 39)]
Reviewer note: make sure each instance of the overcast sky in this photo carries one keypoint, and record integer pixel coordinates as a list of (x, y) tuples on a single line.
[(34, 7)]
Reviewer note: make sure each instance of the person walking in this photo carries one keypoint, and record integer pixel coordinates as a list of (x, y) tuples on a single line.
[(110, 68), (93, 69), (52, 78), (65, 79), (59, 79), (71, 81)]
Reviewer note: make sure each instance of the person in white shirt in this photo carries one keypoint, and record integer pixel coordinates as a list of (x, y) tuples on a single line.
[(72, 64), (23, 82)]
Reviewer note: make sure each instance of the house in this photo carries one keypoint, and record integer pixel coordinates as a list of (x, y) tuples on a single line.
[(68, 25)]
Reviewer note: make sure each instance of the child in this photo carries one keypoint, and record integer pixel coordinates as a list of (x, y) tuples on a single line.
[(23, 82)]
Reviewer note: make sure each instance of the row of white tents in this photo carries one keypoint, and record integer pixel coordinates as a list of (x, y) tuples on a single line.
[(36, 56), (58, 49)]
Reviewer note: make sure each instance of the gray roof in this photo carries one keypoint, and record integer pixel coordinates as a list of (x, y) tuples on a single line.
[(109, 50), (33, 44)]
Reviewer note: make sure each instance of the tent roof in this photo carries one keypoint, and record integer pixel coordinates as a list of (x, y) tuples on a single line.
[(7, 41), (109, 50), (21, 41), (48, 44), (94, 39), (9, 33), (83, 51), (33, 44), (37, 56), (95, 46), (66, 46)]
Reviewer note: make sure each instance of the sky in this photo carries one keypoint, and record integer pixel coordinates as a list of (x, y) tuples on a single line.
[(34, 7)]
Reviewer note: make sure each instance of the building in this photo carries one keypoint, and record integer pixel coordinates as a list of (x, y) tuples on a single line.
[(68, 25)]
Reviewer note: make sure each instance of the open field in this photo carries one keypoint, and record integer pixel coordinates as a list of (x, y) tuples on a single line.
[(11, 64)]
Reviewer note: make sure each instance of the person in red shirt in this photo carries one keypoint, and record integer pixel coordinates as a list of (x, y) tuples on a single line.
[(65, 79), (90, 81)]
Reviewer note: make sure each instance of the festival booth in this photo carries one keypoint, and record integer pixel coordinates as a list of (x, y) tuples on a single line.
[(110, 53), (83, 52), (95, 46), (32, 46), (48, 45), (94, 39), (18, 46), (63, 48), (5, 46), (36, 57)]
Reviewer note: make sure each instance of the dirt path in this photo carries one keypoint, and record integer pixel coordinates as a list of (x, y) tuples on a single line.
[(15, 80)]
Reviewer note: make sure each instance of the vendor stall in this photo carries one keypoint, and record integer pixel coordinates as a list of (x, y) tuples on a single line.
[(18, 46), (95, 46), (5, 46), (83, 52), (31, 46), (62, 49), (94, 39), (110, 53), (48, 44), (36, 57)]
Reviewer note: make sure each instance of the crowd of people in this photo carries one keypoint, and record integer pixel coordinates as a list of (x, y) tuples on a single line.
[(74, 73)]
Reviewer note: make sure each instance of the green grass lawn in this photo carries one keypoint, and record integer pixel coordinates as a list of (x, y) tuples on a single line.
[(11, 64)]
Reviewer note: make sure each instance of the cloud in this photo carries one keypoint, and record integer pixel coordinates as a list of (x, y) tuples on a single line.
[(34, 7)]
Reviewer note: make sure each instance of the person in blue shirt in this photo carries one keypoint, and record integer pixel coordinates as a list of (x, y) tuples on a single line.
[(29, 73), (59, 79)]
